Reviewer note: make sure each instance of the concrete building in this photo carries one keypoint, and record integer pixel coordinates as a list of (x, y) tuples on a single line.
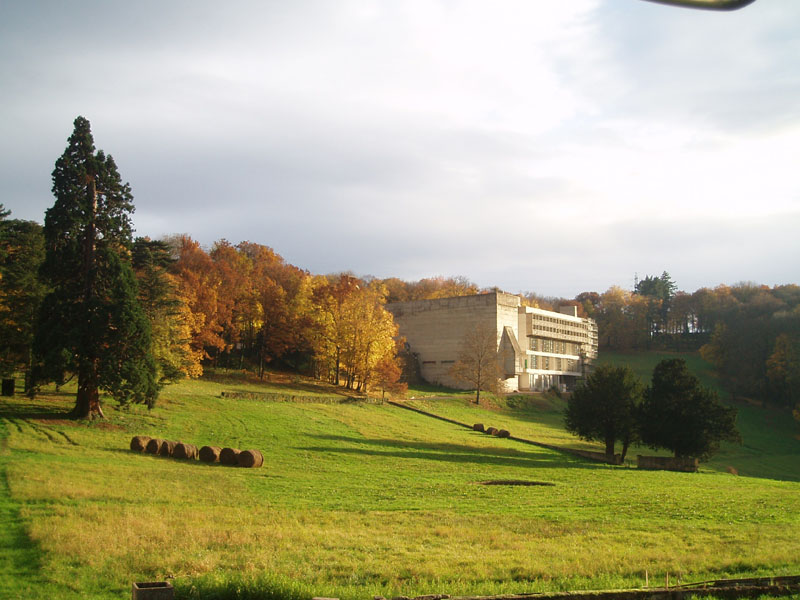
[(537, 349)]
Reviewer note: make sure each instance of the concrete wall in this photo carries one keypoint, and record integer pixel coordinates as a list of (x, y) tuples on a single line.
[(435, 329)]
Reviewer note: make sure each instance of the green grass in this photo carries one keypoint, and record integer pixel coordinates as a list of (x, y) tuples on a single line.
[(355, 500)]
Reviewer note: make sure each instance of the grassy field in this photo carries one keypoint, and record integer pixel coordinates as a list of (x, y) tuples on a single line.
[(358, 499)]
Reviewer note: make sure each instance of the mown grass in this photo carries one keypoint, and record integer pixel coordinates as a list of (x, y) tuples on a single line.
[(356, 500)]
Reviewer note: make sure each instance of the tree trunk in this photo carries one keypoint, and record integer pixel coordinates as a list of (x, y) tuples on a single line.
[(610, 447), (87, 401)]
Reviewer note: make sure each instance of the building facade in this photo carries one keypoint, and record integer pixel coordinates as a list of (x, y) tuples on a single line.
[(537, 349)]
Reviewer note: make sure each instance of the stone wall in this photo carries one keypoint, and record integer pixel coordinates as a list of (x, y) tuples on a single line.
[(668, 463)]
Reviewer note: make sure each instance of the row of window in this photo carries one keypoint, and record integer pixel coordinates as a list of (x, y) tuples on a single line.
[(553, 346), (551, 363), (559, 326)]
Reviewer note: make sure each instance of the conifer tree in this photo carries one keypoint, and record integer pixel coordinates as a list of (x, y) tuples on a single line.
[(91, 323), (681, 415)]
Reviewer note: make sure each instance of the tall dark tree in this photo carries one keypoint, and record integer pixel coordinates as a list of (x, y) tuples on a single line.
[(659, 291), (21, 293), (92, 323), (605, 408), (682, 416)]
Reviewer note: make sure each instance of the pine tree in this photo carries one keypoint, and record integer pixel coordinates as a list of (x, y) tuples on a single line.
[(681, 415), (92, 323), (605, 408)]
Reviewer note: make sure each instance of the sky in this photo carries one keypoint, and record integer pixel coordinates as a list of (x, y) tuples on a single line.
[(536, 145)]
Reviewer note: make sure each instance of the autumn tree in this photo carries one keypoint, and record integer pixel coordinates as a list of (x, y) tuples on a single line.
[(21, 293), (331, 322), (387, 376), (478, 363), (370, 335), (682, 416), (282, 296), (91, 322), (236, 308), (605, 408), (354, 332), (199, 284), (783, 370), (166, 310)]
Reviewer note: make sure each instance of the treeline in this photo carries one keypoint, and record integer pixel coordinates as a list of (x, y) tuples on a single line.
[(749, 332), (241, 307), (234, 306), (244, 307)]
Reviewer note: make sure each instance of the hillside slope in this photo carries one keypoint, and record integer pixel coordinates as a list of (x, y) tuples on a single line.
[(354, 500)]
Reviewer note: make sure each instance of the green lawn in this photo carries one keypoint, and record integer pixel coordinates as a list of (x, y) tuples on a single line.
[(358, 499)]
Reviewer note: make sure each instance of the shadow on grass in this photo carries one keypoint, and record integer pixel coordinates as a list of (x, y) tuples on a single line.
[(20, 556), (276, 382), (33, 409), (455, 453)]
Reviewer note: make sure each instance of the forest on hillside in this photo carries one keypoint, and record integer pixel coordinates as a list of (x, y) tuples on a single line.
[(243, 306)]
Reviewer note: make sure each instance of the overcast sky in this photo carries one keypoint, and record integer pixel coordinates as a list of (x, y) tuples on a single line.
[(536, 145)]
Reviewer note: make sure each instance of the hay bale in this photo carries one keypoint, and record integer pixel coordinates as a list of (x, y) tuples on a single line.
[(188, 451), (503, 433), (228, 456), (490, 430), (250, 459), (139, 442), (154, 445), (477, 427), (167, 448), (209, 454)]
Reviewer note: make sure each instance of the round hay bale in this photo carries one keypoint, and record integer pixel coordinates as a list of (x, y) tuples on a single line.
[(139, 442), (477, 427), (503, 433), (188, 451), (209, 454), (250, 459), (167, 448), (490, 430), (154, 445), (228, 456)]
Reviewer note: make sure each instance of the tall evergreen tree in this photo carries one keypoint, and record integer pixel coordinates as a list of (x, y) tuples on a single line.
[(92, 323), (682, 416), (605, 408)]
